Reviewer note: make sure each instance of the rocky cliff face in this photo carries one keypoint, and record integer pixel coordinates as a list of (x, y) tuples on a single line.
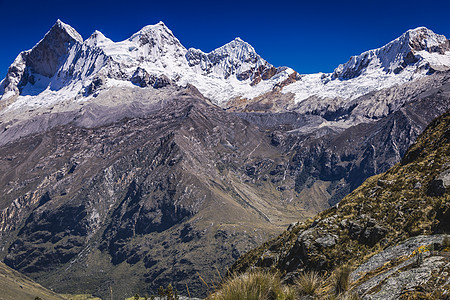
[(328, 162)]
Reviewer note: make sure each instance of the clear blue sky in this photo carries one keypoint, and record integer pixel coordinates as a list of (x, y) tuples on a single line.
[(309, 36)]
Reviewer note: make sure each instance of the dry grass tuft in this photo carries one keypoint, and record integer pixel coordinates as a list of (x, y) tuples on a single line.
[(308, 283), (342, 279), (255, 285)]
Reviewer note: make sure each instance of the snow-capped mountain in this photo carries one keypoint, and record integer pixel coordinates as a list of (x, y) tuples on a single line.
[(420, 47), (413, 55), (64, 67), (151, 57), (237, 57), (43, 61), (110, 152)]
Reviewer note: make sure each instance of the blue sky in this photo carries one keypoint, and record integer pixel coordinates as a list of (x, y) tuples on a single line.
[(309, 36)]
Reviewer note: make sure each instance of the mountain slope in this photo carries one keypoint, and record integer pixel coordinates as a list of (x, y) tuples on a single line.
[(96, 205), (14, 285), (412, 56), (129, 184), (328, 162), (411, 199)]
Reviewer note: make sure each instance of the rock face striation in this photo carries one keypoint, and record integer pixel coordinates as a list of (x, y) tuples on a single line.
[(139, 163)]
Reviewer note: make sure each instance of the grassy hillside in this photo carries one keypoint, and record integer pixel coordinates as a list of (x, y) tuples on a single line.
[(14, 285)]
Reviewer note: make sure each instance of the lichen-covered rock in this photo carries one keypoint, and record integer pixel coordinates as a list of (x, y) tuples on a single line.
[(411, 265), (438, 186), (326, 241)]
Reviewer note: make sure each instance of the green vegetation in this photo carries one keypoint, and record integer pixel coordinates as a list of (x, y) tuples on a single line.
[(169, 293), (265, 285)]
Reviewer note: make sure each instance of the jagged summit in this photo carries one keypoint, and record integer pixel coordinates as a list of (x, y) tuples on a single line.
[(236, 57), (35, 66), (150, 54), (411, 48), (152, 31), (68, 29), (415, 54), (422, 38), (97, 39), (237, 48)]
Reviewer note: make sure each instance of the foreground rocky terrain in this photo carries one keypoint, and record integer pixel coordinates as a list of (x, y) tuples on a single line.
[(391, 229)]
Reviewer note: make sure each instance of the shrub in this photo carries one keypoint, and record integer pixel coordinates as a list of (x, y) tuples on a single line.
[(255, 285), (342, 279), (167, 294), (307, 283)]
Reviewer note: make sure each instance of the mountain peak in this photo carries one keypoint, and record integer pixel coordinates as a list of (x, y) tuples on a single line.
[(234, 58), (237, 48), (422, 38), (97, 38), (61, 26), (161, 23), (43, 59), (150, 34), (159, 27), (398, 54)]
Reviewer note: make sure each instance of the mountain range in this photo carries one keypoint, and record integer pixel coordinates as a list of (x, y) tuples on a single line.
[(129, 165)]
